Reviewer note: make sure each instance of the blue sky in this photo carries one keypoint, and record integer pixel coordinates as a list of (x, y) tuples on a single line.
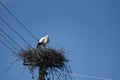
[(89, 31)]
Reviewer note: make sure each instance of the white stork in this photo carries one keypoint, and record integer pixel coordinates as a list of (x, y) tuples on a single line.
[(43, 41)]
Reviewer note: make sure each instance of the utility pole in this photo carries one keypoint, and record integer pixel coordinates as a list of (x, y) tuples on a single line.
[(42, 72)]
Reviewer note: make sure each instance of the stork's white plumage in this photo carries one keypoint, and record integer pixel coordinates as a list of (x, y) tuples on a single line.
[(43, 41)]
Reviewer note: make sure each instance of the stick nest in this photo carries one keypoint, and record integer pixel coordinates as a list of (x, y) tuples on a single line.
[(53, 61), (43, 57)]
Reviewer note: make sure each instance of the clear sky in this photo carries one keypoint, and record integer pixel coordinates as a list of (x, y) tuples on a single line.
[(88, 30)]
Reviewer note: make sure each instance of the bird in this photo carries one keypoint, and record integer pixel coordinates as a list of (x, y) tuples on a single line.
[(43, 41)]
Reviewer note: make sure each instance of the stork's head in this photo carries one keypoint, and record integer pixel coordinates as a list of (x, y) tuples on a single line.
[(46, 40), (47, 36)]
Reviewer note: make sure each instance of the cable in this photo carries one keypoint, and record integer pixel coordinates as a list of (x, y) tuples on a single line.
[(14, 31), (7, 41), (94, 77), (18, 20), (11, 39), (7, 46)]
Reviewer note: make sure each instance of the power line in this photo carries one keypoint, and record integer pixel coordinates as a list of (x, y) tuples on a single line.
[(18, 20), (7, 41), (94, 77), (11, 39), (14, 30), (7, 46)]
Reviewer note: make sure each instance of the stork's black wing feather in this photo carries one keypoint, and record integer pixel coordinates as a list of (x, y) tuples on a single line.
[(39, 44)]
